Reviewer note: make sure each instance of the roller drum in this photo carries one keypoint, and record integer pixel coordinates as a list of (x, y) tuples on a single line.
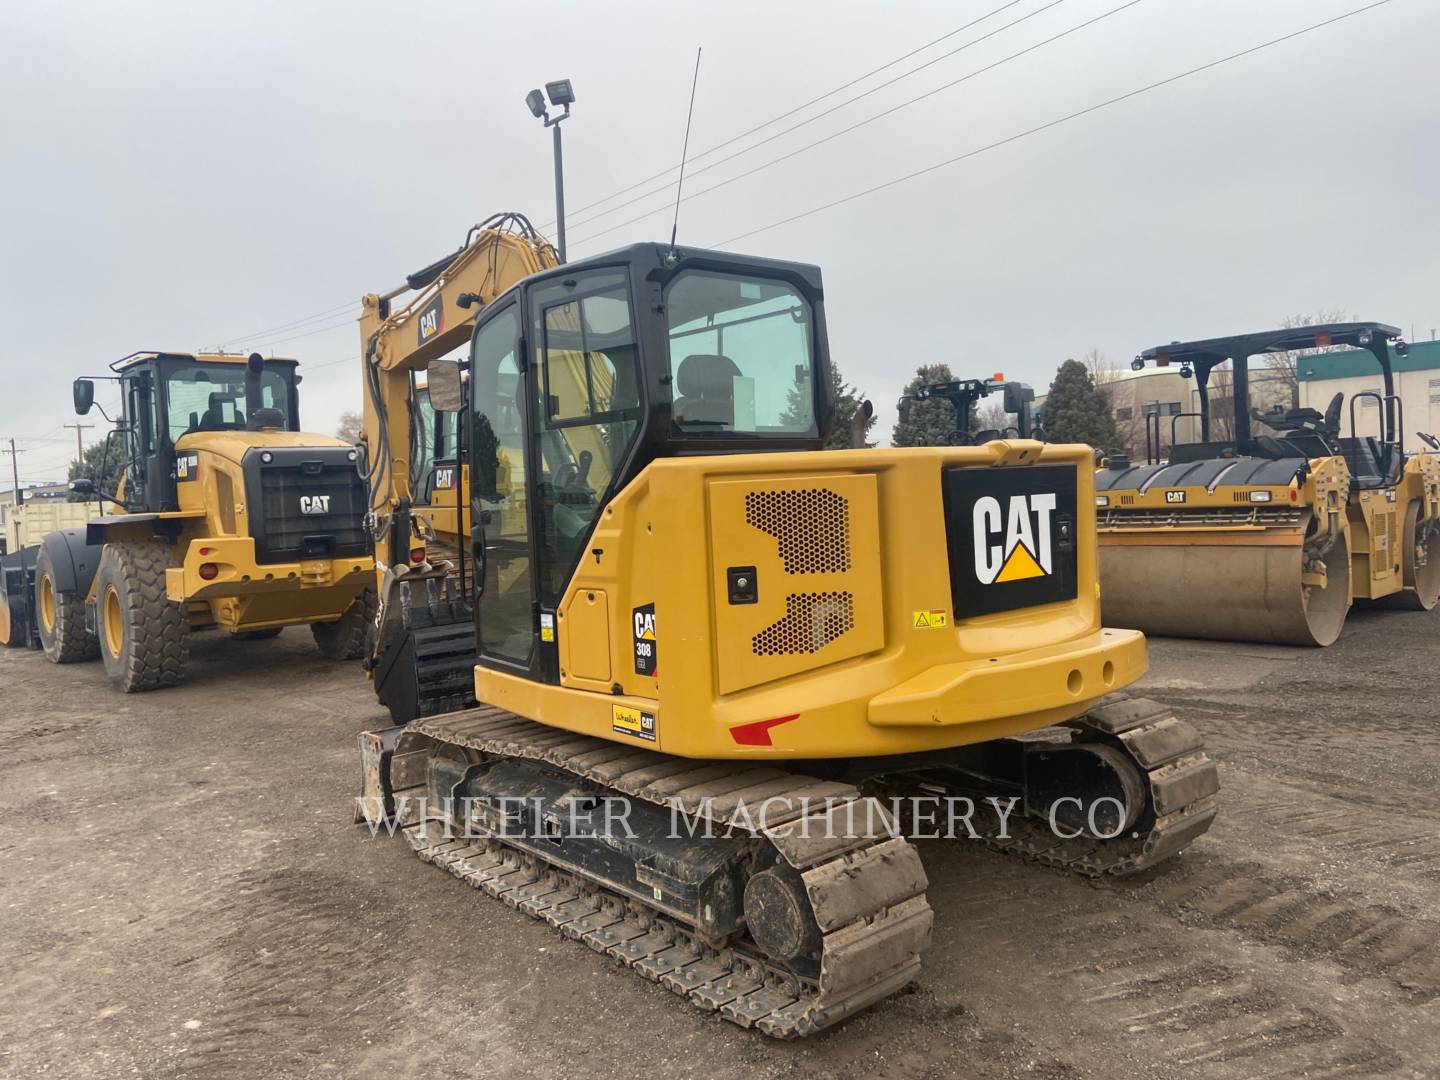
[(1232, 591)]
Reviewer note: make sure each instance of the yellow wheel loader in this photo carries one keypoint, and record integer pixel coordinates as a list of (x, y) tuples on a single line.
[(718, 668), (228, 516), (1266, 530)]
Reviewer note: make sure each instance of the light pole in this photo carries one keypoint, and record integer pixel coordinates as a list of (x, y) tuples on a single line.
[(561, 96)]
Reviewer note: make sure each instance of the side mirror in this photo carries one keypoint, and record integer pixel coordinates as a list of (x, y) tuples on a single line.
[(84, 391), (82, 487), (442, 379), (903, 408)]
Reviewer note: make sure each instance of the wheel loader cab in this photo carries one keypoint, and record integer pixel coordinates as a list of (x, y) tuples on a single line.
[(165, 397)]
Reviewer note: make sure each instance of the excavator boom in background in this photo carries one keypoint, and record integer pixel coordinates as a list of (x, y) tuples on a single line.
[(422, 653)]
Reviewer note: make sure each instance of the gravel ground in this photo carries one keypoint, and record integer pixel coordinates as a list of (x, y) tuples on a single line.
[(183, 895)]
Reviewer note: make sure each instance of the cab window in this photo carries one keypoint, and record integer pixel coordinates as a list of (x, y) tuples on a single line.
[(742, 358), (211, 397)]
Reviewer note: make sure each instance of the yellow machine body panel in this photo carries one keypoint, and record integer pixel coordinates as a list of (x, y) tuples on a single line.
[(1389, 527), (800, 605)]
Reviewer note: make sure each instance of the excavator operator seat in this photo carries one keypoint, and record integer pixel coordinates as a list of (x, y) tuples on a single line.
[(706, 383)]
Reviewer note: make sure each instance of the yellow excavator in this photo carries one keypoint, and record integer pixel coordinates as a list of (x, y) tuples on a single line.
[(228, 516), (717, 666), (1267, 531)]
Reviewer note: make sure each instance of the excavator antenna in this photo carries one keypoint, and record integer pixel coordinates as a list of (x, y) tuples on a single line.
[(685, 150)]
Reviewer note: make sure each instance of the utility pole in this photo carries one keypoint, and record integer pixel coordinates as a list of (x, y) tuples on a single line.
[(80, 447), (14, 468), (79, 439)]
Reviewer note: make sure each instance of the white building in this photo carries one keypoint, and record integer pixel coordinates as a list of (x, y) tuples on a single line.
[(1353, 371)]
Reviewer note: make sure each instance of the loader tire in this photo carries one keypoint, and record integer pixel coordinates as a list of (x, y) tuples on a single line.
[(344, 639), (144, 636), (61, 618)]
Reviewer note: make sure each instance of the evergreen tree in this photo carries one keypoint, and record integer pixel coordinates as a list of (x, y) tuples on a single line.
[(1076, 410), (930, 422), (89, 468), (847, 399)]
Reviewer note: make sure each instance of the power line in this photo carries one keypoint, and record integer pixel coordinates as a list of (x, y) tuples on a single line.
[(309, 333), (842, 105), (1057, 122), (880, 115), (798, 108), (293, 324)]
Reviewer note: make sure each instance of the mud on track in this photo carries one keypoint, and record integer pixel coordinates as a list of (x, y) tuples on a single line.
[(183, 896)]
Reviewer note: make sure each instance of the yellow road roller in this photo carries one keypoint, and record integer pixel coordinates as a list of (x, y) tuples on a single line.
[(1267, 531)]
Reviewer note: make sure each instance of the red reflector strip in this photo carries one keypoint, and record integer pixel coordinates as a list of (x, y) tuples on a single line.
[(758, 733)]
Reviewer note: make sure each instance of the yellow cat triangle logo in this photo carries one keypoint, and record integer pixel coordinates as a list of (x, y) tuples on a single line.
[(1019, 566)]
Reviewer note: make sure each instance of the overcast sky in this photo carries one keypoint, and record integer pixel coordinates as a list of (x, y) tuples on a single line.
[(179, 175)]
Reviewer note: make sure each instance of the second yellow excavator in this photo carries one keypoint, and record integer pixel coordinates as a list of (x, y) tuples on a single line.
[(714, 662)]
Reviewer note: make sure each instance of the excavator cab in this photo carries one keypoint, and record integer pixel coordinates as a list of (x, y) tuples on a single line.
[(585, 374)]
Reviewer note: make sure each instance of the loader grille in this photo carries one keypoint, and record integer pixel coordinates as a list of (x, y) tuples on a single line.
[(305, 503), (812, 621), (812, 526)]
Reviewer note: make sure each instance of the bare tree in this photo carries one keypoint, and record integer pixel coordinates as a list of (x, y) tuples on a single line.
[(351, 425), (1282, 364), (991, 414), (1102, 371)]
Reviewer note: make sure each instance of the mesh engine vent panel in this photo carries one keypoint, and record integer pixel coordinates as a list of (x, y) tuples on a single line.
[(812, 621), (812, 526)]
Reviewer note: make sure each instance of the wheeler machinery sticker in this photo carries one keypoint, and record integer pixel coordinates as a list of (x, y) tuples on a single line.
[(1012, 537), (633, 722), (644, 625)]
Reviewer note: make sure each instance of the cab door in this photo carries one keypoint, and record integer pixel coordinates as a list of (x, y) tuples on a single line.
[(506, 619)]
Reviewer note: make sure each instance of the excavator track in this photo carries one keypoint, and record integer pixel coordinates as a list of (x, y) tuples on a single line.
[(865, 885), (1180, 786)]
